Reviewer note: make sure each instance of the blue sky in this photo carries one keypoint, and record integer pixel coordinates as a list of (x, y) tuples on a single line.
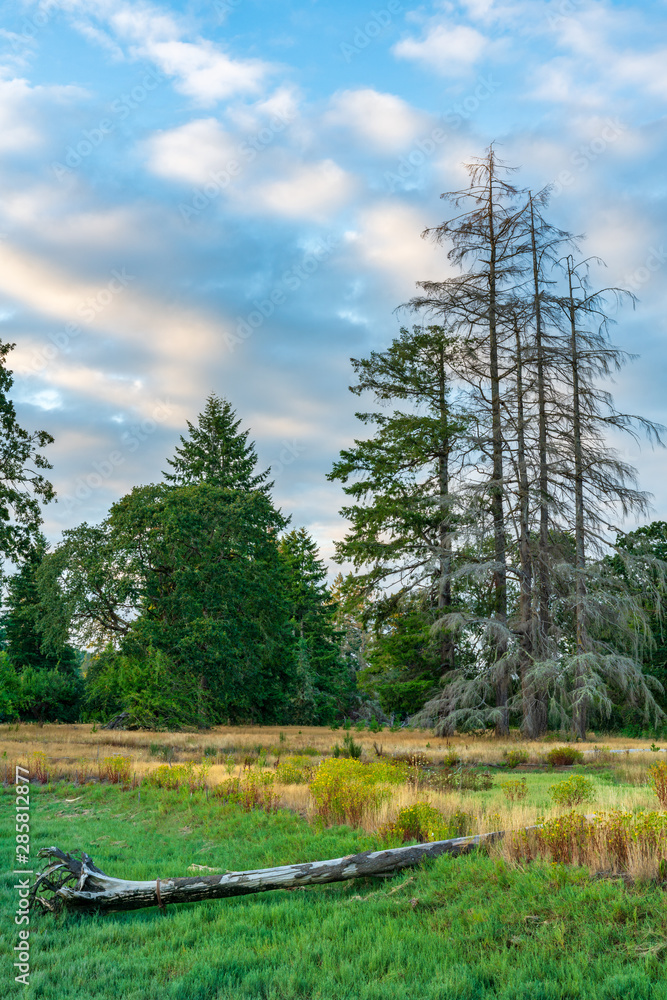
[(229, 197)]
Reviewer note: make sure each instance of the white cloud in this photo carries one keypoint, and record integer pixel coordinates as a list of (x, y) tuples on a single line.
[(309, 190), (191, 152), (448, 49), (205, 73), (383, 120), (200, 68), (20, 110), (389, 240)]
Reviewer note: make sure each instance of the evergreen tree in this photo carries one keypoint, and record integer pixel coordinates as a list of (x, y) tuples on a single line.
[(49, 681), (23, 487), (323, 679), (406, 480), (216, 452)]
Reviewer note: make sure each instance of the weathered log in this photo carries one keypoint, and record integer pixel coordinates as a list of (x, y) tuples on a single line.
[(93, 890)]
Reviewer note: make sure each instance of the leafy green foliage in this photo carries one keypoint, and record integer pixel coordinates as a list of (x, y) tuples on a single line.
[(513, 758), (322, 683), (423, 823), (572, 791), (191, 568), (515, 789), (23, 486)]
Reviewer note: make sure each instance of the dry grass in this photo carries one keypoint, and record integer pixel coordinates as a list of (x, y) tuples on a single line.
[(72, 742), (77, 752)]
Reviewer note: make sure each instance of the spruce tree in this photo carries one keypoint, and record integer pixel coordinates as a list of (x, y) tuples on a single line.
[(323, 679), (217, 452)]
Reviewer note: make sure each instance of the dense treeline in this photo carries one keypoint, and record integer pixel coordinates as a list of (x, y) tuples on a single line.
[(491, 584)]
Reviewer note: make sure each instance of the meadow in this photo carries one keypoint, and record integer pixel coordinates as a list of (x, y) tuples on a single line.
[(491, 924)]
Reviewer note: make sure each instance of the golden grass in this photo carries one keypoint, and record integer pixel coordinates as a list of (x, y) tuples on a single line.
[(77, 752), (71, 742)]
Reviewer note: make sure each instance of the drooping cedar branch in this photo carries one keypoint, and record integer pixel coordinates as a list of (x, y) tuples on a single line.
[(75, 884)]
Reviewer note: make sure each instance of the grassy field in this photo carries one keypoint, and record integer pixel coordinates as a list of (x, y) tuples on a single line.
[(470, 927), (480, 926)]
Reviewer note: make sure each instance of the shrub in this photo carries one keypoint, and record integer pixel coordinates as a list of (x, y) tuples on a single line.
[(178, 776), (360, 726), (562, 756), (348, 749), (515, 790), (658, 777), (211, 752), (117, 769), (375, 726), (343, 789), (162, 750), (612, 840), (573, 791), (464, 778), (515, 757), (38, 766), (254, 790), (451, 758), (423, 823), (295, 770)]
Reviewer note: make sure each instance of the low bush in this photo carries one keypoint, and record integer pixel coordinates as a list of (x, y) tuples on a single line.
[(175, 776), (423, 823), (572, 791), (117, 769), (348, 749), (451, 758), (38, 766), (344, 789), (515, 790), (295, 770), (657, 774), (616, 841), (254, 790), (513, 758), (562, 756), (464, 778)]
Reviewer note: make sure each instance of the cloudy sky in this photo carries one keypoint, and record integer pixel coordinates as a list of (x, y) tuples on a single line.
[(229, 197)]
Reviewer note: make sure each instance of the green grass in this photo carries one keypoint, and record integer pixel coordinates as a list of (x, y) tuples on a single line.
[(459, 929)]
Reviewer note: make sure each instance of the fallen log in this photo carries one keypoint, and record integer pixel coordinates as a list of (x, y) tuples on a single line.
[(78, 884)]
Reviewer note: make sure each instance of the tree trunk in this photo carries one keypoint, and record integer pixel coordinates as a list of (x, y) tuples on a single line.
[(580, 708), (96, 891), (540, 715), (530, 725), (445, 539), (497, 484)]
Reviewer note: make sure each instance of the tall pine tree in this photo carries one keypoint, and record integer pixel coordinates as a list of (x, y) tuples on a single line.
[(323, 678), (217, 452)]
